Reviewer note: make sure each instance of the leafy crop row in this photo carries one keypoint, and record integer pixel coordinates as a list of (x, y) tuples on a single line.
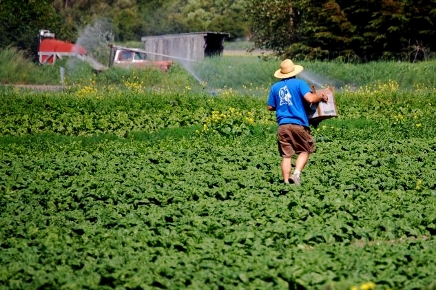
[(200, 210), (72, 115)]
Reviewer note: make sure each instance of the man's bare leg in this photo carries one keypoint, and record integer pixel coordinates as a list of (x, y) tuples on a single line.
[(286, 168), (301, 162), (299, 165)]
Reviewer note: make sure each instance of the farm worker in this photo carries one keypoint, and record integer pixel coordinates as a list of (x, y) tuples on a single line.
[(288, 99)]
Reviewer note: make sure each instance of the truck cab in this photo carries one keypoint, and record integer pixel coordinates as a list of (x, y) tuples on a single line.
[(125, 57)]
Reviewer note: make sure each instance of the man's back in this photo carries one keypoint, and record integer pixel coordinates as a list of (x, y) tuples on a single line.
[(287, 97)]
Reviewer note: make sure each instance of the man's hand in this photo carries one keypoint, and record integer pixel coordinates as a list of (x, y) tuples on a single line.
[(324, 97), (315, 98)]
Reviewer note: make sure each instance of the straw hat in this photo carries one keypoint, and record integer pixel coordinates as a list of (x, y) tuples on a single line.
[(288, 69)]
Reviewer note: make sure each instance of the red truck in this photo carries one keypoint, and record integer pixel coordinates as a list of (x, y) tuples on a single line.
[(134, 57)]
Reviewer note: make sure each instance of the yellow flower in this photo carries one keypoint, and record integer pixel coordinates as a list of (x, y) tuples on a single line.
[(418, 184), (367, 286)]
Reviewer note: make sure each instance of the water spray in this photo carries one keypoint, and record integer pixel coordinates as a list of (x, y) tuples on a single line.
[(318, 81), (97, 37)]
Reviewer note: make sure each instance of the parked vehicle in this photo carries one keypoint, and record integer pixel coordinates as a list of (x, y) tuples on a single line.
[(50, 49), (132, 57)]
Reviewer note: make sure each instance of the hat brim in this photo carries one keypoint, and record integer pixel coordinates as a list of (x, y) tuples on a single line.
[(297, 69)]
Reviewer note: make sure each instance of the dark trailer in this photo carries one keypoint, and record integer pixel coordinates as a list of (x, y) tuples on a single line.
[(191, 46)]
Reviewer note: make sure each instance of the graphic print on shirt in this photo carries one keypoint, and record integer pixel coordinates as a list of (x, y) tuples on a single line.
[(285, 96)]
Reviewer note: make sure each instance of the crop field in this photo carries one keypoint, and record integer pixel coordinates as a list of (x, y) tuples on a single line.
[(143, 187)]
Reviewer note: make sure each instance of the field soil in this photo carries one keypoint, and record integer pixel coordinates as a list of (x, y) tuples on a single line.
[(242, 52), (37, 87)]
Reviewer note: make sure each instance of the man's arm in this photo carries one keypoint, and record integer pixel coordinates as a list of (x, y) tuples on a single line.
[(314, 98), (271, 108)]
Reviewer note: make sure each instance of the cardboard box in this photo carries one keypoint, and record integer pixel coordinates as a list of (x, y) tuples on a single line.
[(322, 110)]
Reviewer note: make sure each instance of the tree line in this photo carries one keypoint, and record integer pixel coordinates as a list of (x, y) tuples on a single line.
[(359, 30), (362, 30)]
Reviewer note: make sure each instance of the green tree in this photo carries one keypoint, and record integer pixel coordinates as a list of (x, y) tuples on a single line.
[(130, 19), (358, 30), (124, 15), (385, 31), (273, 23), (74, 15), (421, 29), (21, 23), (155, 17), (209, 15), (332, 34)]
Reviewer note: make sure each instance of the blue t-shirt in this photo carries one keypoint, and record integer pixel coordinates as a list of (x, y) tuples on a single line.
[(287, 97)]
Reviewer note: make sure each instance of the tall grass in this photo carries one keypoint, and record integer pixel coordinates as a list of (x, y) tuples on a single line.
[(407, 75), (244, 74), (18, 69), (236, 72), (15, 68), (252, 72)]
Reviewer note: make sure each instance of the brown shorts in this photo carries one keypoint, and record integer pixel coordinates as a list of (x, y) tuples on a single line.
[(293, 139)]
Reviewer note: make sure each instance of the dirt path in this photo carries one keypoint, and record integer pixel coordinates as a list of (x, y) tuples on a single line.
[(36, 87), (256, 52)]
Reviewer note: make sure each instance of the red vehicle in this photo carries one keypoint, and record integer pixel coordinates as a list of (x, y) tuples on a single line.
[(51, 49), (133, 57)]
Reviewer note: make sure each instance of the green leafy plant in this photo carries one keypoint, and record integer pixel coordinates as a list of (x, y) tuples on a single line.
[(113, 188)]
